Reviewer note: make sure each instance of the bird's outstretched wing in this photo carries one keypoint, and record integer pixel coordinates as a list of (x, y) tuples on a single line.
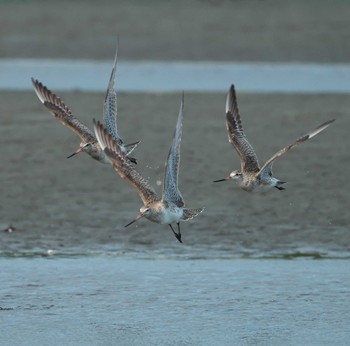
[(61, 112), (236, 135), (267, 167), (170, 183), (122, 164), (110, 110), (110, 104)]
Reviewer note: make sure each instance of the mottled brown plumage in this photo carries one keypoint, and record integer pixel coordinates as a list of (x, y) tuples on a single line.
[(251, 177), (166, 210), (89, 142)]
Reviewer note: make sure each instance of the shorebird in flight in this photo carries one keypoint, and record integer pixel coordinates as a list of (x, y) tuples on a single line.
[(89, 143), (168, 209), (251, 177)]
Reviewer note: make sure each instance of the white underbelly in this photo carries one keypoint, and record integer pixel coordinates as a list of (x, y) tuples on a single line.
[(172, 215)]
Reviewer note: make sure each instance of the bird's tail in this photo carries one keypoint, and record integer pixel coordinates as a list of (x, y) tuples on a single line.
[(130, 147), (189, 214)]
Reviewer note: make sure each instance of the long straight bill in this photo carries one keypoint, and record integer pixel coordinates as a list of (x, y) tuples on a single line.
[(76, 152), (138, 217)]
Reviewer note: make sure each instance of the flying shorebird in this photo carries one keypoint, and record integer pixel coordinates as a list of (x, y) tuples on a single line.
[(89, 143), (251, 177), (166, 210)]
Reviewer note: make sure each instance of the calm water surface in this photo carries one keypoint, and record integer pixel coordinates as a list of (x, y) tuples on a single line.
[(161, 76), (112, 300)]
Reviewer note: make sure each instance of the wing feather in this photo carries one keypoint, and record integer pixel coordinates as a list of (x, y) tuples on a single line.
[(267, 167), (61, 112), (122, 164), (236, 135), (110, 105), (170, 183)]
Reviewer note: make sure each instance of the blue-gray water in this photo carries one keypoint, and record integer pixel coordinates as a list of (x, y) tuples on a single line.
[(112, 300), (159, 76)]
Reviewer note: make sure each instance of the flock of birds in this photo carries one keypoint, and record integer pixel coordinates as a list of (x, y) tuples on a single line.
[(105, 145)]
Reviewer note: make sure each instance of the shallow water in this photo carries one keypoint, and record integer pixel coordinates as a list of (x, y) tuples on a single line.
[(177, 76), (113, 300)]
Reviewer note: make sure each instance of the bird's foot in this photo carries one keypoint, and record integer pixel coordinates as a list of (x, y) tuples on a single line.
[(280, 188), (176, 234)]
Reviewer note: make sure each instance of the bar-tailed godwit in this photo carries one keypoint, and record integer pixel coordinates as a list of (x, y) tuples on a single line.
[(171, 207), (251, 177), (89, 143)]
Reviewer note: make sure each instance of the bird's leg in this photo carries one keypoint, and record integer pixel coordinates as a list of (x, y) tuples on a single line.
[(279, 183), (280, 188), (177, 235), (178, 231)]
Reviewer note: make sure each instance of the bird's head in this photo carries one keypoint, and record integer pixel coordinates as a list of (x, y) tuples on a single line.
[(144, 211), (234, 175), (87, 147)]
